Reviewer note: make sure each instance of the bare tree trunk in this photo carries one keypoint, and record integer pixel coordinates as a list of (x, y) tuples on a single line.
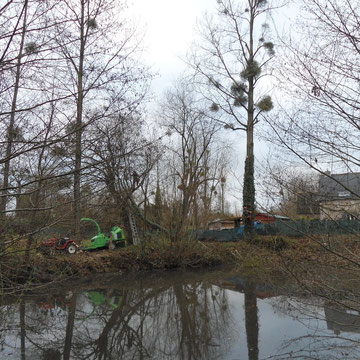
[(11, 127), (222, 197), (22, 329), (70, 328), (78, 135), (11, 134), (39, 185)]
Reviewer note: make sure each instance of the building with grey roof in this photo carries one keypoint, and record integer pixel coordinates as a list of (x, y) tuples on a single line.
[(339, 196)]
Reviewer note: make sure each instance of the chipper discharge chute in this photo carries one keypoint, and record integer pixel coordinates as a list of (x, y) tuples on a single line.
[(115, 237)]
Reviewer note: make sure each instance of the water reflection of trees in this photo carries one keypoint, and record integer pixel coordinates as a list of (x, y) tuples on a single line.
[(251, 320), (185, 320), (177, 319)]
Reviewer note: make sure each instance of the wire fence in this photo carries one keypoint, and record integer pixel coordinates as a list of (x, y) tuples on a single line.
[(286, 228)]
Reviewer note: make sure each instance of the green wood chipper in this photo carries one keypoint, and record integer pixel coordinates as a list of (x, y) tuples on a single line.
[(100, 240)]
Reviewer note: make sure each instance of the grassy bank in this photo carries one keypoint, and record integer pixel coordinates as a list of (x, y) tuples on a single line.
[(270, 255)]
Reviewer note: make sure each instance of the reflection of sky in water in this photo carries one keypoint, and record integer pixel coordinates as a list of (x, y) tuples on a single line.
[(300, 330), (212, 317)]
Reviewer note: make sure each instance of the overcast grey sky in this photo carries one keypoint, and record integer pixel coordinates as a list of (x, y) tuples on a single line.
[(169, 28)]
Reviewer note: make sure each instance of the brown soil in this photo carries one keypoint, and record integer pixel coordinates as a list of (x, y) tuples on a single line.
[(265, 256)]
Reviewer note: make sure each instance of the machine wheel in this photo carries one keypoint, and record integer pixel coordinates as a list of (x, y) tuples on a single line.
[(71, 249)]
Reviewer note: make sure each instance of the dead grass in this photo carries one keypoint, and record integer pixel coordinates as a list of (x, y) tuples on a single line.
[(264, 256)]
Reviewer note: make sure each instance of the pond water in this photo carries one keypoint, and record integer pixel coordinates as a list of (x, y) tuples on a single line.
[(176, 315)]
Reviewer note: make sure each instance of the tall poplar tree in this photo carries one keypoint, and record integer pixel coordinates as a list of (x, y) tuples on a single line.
[(229, 63)]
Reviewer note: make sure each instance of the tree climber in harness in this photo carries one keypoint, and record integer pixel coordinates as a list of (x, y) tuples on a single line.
[(136, 181)]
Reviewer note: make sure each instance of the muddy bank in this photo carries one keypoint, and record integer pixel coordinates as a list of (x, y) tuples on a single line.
[(270, 256), (46, 268)]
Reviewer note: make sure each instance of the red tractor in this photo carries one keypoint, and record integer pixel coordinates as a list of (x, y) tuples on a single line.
[(65, 244)]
